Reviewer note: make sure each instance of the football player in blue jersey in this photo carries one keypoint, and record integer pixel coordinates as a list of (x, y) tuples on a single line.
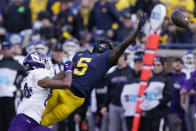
[(88, 68)]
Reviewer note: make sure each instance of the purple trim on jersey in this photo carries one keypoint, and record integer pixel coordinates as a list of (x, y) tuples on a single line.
[(22, 122), (179, 80), (191, 84)]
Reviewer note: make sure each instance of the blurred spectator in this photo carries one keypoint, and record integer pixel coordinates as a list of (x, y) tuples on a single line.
[(3, 4), (43, 28), (82, 20), (84, 46), (168, 33), (2, 35), (38, 23), (53, 8), (65, 21), (166, 28), (182, 36), (17, 17), (77, 120), (11, 75), (179, 4), (36, 7), (38, 45), (104, 17), (16, 41), (71, 46), (96, 103), (130, 92), (174, 34), (192, 27), (1, 18), (189, 105), (176, 115), (126, 29), (57, 57), (145, 5), (41, 46), (112, 104), (122, 5), (141, 40), (157, 96), (189, 65)]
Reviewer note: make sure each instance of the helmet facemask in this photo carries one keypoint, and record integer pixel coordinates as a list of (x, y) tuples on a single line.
[(36, 60), (102, 45), (46, 63)]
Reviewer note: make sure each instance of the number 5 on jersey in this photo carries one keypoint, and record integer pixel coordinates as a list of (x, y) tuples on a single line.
[(82, 65)]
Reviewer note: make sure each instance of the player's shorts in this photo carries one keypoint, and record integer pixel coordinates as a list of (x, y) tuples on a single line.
[(60, 105), (22, 122)]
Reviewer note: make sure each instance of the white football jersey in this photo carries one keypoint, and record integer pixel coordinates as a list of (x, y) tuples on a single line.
[(34, 97)]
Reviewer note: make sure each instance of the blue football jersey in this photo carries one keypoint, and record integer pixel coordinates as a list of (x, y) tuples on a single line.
[(88, 69)]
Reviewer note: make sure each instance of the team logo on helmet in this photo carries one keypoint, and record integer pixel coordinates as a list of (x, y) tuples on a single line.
[(35, 60)]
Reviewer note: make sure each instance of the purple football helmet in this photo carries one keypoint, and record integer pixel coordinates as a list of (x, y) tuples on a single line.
[(35, 60)]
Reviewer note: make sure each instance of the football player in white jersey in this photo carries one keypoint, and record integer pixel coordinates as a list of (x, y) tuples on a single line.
[(36, 91)]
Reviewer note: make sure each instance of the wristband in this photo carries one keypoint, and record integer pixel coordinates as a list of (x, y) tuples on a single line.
[(68, 71)]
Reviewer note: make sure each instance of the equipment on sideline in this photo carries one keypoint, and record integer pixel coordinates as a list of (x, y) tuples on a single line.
[(156, 18), (155, 22)]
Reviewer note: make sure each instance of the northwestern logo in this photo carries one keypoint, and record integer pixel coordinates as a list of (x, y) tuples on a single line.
[(26, 92)]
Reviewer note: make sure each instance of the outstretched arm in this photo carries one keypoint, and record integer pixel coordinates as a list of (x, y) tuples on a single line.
[(119, 50), (56, 82), (59, 76)]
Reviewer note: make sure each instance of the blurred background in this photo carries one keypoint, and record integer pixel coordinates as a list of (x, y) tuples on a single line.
[(60, 28)]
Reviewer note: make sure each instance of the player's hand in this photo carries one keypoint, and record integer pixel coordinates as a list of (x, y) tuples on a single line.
[(183, 92), (178, 121), (104, 111), (142, 19), (68, 66), (192, 92)]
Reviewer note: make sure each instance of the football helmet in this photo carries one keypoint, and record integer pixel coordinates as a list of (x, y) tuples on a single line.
[(102, 45), (35, 60)]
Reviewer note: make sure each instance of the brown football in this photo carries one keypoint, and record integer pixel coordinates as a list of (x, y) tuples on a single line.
[(179, 18)]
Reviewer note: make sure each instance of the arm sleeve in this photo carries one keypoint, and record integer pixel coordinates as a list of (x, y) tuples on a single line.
[(167, 92)]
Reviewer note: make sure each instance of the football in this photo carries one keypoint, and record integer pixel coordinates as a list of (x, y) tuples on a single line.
[(179, 19)]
